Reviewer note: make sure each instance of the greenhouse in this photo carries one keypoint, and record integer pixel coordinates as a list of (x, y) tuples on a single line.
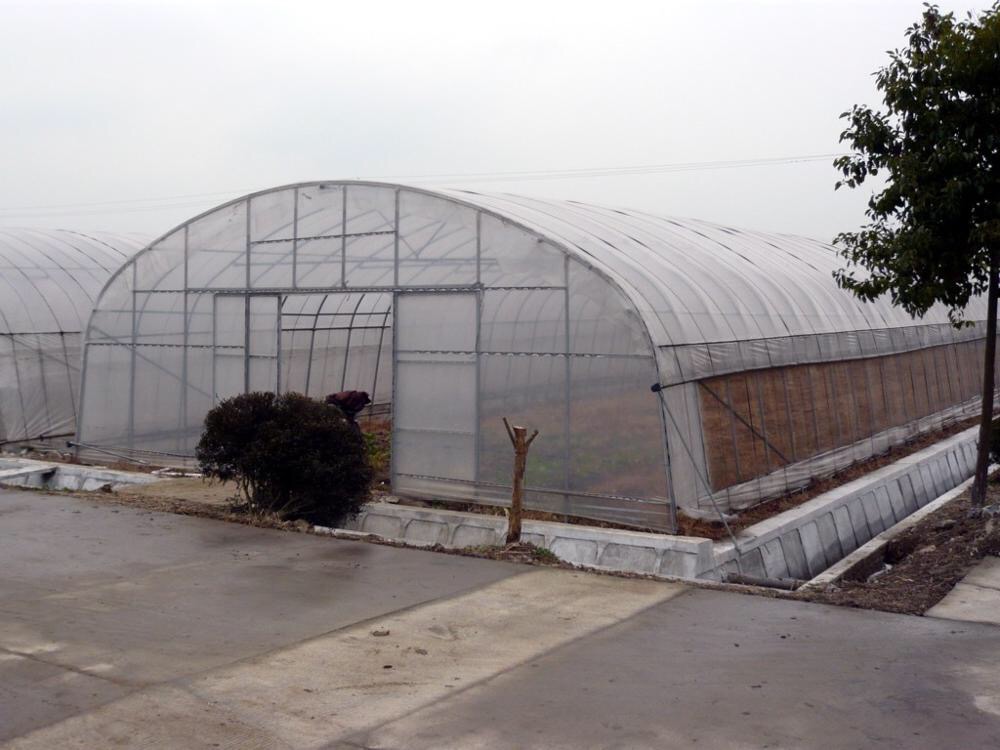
[(49, 280), (667, 364)]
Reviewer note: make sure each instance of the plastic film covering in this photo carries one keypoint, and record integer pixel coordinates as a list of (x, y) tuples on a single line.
[(50, 280), (457, 309), (454, 315)]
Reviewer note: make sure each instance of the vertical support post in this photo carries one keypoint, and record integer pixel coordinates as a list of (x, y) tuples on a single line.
[(521, 442), (478, 376), (246, 310), (131, 378), (567, 389), (280, 303), (395, 240), (479, 329), (69, 374), (479, 248), (215, 349), (343, 236), (182, 416), (667, 459), (295, 240), (246, 342), (394, 447)]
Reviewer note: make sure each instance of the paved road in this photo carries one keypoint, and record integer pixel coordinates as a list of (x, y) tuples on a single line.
[(124, 628)]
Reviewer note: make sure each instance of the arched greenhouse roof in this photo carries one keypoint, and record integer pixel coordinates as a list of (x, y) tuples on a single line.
[(52, 277), (722, 299), (713, 299)]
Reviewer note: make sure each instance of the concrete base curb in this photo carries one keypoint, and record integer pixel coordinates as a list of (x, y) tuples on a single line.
[(805, 541), (871, 549), (799, 543), (25, 472), (606, 549)]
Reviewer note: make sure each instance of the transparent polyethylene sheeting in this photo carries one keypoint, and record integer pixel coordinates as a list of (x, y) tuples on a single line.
[(49, 281), (460, 308)]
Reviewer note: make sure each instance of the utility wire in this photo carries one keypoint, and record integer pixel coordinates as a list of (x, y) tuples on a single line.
[(132, 205), (614, 171)]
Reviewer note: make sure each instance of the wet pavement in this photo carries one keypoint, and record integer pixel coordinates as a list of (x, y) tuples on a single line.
[(123, 628), (98, 600)]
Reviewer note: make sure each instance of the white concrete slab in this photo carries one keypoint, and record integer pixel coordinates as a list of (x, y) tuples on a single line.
[(969, 603), (985, 574)]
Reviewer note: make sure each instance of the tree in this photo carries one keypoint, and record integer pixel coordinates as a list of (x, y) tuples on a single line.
[(933, 234), (289, 455)]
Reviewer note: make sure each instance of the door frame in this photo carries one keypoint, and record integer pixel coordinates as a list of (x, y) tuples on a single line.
[(477, 294)]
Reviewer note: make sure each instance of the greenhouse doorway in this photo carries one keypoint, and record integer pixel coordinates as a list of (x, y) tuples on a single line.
[(334, 341), (435, 394)]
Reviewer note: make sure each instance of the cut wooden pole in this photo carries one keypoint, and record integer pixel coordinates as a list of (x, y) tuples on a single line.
[(521, 442)]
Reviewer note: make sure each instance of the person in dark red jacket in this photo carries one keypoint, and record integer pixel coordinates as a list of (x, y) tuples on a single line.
[(349, 402)]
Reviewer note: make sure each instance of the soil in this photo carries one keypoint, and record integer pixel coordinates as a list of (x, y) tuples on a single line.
[(926, 561), (187, 489)]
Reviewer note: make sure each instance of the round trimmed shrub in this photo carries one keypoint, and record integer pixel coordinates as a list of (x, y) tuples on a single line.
[(289, 455)]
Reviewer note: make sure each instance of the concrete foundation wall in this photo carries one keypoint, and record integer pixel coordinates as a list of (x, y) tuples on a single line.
[(610, 549), (799, 543), (807, 540), (23, 472)]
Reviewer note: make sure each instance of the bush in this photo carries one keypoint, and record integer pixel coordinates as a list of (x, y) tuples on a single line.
[(289, 455)]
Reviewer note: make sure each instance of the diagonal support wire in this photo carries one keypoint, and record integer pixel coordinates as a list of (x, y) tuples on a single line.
[(658, 389), (744, 422)]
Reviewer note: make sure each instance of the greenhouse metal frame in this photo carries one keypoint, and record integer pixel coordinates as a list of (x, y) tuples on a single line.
[(50, 280), (666, 363)]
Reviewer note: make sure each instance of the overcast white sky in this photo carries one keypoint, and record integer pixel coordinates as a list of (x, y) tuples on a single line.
[(157, 111)]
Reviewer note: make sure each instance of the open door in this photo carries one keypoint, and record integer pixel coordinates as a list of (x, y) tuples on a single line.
[(435, 419)]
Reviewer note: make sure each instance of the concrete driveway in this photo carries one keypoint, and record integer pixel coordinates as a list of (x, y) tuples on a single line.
[(125, 628)]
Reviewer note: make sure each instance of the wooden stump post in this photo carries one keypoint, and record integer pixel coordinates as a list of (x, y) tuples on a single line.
[(521, 443)]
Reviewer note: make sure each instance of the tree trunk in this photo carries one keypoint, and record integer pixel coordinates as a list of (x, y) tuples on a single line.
[(989, 385), (517, 495), (521, 442)]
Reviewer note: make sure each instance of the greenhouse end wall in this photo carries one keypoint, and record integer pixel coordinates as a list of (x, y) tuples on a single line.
[(454, 315)]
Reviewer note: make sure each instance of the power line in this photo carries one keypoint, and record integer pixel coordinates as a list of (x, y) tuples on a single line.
[(110, 210), (122, 201), (132, 205), (614, 171)]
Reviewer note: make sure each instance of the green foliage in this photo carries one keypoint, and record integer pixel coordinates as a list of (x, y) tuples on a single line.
[(936, 224), (545, 555), (289, 455), (378, 451)]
